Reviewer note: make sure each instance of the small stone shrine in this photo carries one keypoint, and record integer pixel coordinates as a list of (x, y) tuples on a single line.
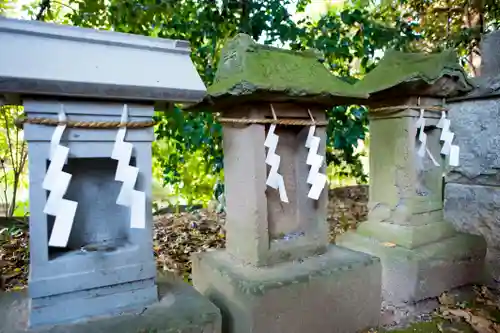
[(89, 108), (472, 191), (278, 272), (411, 144)]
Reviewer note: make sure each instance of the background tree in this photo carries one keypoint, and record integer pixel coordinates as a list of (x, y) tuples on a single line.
[(13, 158), (343, 37), (352, 36), (458, 24)]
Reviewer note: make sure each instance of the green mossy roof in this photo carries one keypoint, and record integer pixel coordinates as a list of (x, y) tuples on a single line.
[(397, 68), (247, 68)]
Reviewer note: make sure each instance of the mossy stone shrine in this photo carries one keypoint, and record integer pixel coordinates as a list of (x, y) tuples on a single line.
[(411, 145), (89, 98), (278, 272)]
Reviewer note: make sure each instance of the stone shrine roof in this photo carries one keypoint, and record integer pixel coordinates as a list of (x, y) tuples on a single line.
[(487, 86), (65, 61), (488, 83), (251, 71), (426, 74)]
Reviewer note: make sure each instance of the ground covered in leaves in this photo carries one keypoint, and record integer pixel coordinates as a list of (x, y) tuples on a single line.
[(475, 313), (14, 255), (178, 235)]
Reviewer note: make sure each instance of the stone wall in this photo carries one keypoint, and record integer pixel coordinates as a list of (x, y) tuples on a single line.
[(472, 192)]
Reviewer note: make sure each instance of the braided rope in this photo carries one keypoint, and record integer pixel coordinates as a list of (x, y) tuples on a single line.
[(404, 107), (150, 123), (286, 122), (85, 124)]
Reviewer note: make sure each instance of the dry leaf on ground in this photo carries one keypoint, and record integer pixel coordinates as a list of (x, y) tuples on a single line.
[(478, 317), (14, 259), (176, 236), (478, 323)]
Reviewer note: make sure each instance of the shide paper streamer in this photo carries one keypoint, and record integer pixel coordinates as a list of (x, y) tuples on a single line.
[(128, 196), (57, 181), (274, 179), (422, 137), (447, 137), (314, 178)]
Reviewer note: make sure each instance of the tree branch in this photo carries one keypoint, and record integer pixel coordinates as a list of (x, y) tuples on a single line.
[(44, 7)]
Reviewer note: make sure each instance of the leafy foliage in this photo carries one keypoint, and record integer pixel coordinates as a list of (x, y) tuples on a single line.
[(13, 158), (456, 24), (4, 6), (346, 126), (352, 37), (343, 36)]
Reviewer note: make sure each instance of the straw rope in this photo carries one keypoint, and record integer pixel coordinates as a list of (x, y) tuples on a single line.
[(150, 123), (144, 124), (85, 124), (286, 122), (405, 107)]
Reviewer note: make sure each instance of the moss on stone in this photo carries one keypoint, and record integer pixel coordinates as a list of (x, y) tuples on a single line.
[(248, 68), (397, 68)]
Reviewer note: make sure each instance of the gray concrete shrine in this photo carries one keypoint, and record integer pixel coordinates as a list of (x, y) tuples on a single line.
[(106, 268), (102, 251)]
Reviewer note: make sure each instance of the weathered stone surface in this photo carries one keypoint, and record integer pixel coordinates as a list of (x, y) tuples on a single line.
[(490, 48), (261, 230), (251, 71), (410, 275), (422, 255), (338, 291), (475, 209), (486, 86), (181, 310), (427, 74), (408, 236), (403, 185), (476, 124)]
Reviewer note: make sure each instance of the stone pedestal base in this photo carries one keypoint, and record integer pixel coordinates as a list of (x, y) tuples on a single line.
[(76, 306), (411, 275), (180, 310), (339, 291)]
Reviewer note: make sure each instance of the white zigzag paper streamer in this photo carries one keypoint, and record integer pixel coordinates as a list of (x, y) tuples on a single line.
[(422, 137), (57, 181), (128, 196), (274, 179), (447, 137), (314, 178)]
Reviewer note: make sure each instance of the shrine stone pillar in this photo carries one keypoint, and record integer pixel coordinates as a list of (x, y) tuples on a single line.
[(410, 148), (88, 125), (279, 273)]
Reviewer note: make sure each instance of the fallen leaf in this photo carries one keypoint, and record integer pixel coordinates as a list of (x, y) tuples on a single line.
[(479, 324), (446, 299)]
